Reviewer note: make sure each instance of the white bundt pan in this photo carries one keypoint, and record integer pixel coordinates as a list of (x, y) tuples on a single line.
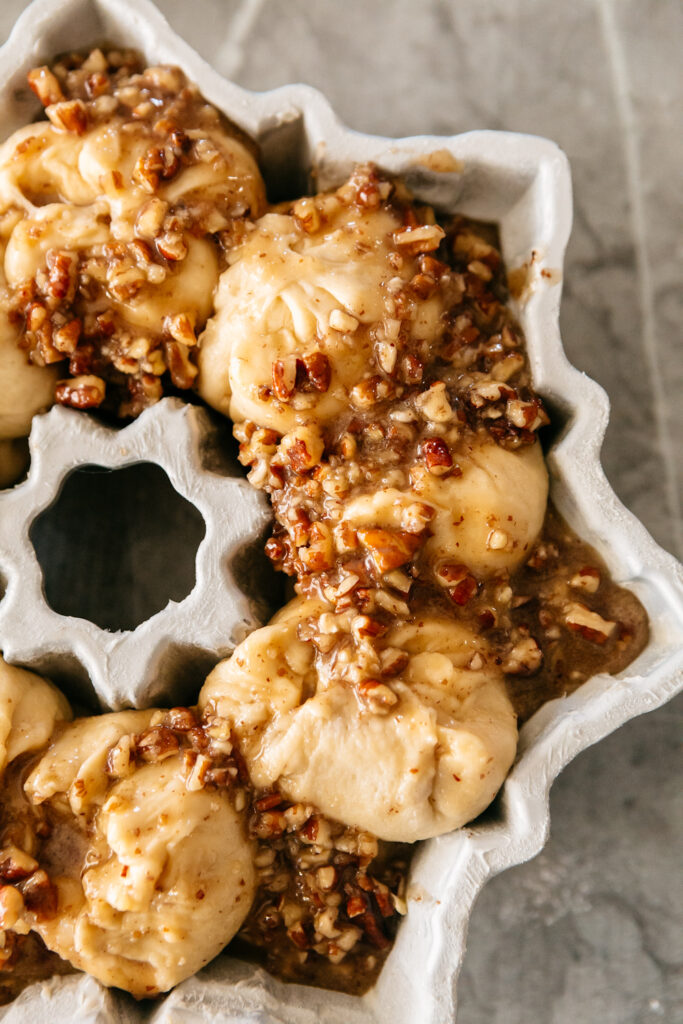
[(522, 182)]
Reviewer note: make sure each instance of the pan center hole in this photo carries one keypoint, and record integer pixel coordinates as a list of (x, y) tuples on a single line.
[(117, 545)]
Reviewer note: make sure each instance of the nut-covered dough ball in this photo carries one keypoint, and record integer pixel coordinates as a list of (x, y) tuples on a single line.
[(153, 877), (300, 308), (487, 519), (114, 213), (428, 764), (25, 388)]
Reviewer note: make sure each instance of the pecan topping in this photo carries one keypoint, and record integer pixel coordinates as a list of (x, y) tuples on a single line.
[(318, 370), (156, 744), (45, 85), (390, 549), (70, 115), (81, 392), (40, 895), (437, 456)]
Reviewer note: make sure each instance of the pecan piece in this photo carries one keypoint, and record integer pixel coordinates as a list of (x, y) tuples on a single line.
[(379, 696), (524, 659), (355, 906), (172, 246), (459, 581), (151, 217), (411, 369), (587, 579), (81, 392), (437, 456), (62, 267), (182, 371), (318, 369), (284, 378), (423, 285), (156, 164), (11, 906), (65, 339), (423, 238), (180, 719), (156, 744), (587, 623), (15, 865), (373, 931), (45, 85), (372, 390), (40, 895), (390, 549), (303, 447), (70, 116)]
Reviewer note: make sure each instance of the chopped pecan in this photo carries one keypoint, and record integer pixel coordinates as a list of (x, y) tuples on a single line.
[(423, 285), (437, 456), (40, 895), (172, 246), (372, 390), (150, 217), (587, 623), (356, 905), (156, 744), (423, 238), (364, 625), (70, 116), (524, 659), (156, 164), (378, 695), (11, 907), (303, 447), (15, 865), (318, 370), (587, 579), (390, 549), (411, 369), (97, 84), (45, 85), (182, 371), (462, 586), (307, 213), (180, 719), (284, 378), (81, 392), (373, 931), (62, 269), (65, 338)]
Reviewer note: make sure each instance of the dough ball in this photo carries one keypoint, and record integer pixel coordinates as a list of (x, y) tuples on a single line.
[(430, 764), (153, 878), (30, 707), (488, 518), (293, 292)]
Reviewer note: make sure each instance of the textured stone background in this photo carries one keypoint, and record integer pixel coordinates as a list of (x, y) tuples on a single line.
[(592, 929)]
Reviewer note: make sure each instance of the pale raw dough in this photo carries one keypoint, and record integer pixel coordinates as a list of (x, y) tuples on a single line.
[(78, 193), (164, 877), (30, 707), (275, 302), (488, 518), (430, 765), (25, 389)]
